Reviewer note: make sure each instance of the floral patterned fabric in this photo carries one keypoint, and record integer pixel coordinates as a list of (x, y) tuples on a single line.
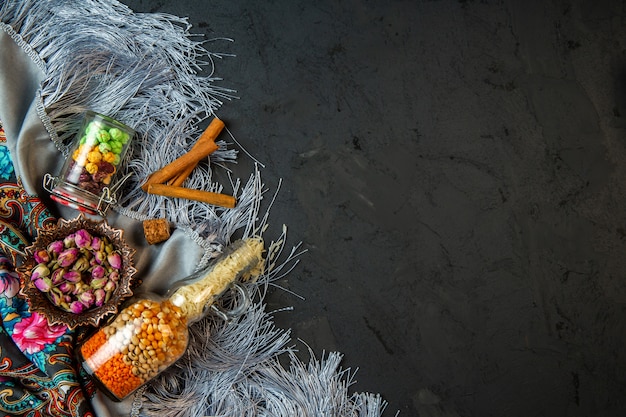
[(38, 376)]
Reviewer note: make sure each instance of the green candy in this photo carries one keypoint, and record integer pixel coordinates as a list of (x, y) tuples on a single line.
[(106, 139), (104, 147), (116, 147), (103, 136), (116, 134)]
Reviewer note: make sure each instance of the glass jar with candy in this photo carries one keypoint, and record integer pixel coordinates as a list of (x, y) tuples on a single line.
[(88, 179)]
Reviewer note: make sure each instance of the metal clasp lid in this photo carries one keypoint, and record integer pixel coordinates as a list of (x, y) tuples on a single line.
[(79, 199)]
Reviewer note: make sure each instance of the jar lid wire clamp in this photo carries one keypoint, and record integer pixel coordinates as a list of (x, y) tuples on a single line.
[(82, 200)]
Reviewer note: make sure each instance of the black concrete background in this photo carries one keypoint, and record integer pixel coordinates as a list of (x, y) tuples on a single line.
[(457, 172)]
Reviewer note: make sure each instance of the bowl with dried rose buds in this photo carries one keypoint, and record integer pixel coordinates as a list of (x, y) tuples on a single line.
[(78, 271)]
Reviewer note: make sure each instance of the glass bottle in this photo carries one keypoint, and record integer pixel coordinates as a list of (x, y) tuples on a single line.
[(88, 179), (151, 332)]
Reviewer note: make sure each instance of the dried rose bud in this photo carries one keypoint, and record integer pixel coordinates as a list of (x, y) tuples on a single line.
[(78, 288), (98, 271), (87, 298), (76, 307), (67, 287), (43, 284), (83, 238), (110, 286), (40, 271), (86, 251), (81, 264), (98, 283), (42, 256), (69, 241), (96, 242), (55, 296), (53, 265), (72, 276), (115, 260), (56, 247), (57, 276), (68, 257), (114, 275), (100, 256), (100, 295)]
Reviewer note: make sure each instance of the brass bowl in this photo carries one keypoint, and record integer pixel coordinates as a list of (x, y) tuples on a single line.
[(41, 302)]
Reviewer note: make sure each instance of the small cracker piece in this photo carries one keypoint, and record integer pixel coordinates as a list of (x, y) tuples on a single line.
[(156, 230)]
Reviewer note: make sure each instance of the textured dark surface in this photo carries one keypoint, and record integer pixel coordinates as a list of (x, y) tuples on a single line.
[(457, 172)]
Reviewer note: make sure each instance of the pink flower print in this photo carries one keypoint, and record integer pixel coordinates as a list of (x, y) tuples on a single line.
[(33, 333), (9, 285)]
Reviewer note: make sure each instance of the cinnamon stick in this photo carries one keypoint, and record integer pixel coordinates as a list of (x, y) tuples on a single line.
[(216, 199), (178, 179), (203, 147)]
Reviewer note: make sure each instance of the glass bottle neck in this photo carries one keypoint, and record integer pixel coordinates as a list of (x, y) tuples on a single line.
[(198, 292)]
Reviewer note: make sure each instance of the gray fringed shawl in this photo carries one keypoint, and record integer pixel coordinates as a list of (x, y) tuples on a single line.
[(60, 58)]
